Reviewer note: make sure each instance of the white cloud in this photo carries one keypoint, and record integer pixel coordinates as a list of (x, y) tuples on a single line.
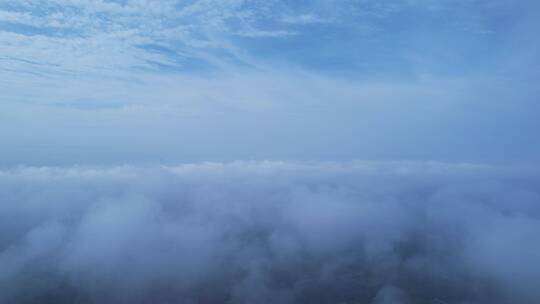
[(99, 35), (305, 19), (252, 33), (279, 232)]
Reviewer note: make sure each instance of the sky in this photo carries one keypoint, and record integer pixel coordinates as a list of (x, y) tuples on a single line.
[(272, 152), (127, 82)]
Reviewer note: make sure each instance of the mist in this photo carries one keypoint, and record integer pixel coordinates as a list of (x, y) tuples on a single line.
[(270, 232)]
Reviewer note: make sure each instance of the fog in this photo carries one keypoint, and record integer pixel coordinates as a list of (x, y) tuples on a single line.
[(270, 232)]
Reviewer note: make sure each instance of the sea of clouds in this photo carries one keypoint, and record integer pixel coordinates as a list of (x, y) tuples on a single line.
[(270, 232)]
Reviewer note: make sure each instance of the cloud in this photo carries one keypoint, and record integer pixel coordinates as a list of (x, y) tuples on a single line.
[(104, 37), (96, 38), (108, 38), (270, 232), (258, 34), (305, 19)]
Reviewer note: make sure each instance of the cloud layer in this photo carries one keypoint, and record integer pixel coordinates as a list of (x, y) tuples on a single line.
[(270, 232)]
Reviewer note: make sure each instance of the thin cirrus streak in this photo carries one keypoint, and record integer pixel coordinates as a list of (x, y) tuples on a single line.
[(179, 81)]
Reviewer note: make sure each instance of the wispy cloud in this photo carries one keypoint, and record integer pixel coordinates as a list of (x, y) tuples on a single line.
[(353, 64), (305, 19), (97, 36)]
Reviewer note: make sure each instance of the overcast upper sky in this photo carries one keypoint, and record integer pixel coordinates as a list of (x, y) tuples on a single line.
[(139, 81)]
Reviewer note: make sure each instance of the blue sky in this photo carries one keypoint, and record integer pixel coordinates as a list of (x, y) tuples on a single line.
[(100, 82)]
